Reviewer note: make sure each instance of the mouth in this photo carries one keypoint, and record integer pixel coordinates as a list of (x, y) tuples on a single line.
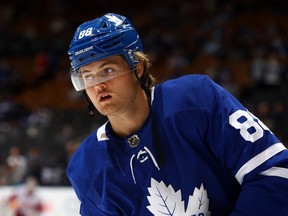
[(104, 98)]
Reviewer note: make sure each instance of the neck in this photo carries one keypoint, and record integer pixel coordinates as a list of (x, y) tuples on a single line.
[(132, 119)]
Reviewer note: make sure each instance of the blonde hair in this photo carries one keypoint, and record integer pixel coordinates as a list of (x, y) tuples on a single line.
[(147, 79)]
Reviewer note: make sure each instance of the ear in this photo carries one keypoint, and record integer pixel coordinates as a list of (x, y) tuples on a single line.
[(140, 69)]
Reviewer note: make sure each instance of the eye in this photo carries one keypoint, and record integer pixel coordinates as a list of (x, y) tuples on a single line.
[(89, 77), (108, 71)]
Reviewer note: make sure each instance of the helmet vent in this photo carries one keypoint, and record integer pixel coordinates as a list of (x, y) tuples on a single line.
[(114, 42), (105, 25)]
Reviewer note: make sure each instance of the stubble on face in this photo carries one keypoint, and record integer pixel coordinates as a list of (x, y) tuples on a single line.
[(116, 97), (122, 92)]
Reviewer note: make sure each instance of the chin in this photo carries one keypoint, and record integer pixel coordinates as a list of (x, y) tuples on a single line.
[(105, 112)]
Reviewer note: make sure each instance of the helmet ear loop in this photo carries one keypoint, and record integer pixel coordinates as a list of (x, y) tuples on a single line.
[(143, 86), (91, 107), (134, 60)]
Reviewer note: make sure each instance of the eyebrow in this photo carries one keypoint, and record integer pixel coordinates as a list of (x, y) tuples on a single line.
[(100, 67)]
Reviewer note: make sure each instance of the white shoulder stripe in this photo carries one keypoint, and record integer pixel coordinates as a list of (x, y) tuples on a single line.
[(258, 160), (276, 171), (152, 94), (101, 133)]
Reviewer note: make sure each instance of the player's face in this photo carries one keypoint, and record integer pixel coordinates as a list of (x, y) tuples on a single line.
[(114, 96)]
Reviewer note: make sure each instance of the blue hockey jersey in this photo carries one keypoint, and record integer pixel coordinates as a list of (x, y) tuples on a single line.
[(220, 160)]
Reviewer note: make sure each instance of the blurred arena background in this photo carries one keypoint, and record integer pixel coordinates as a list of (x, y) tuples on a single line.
[(241, 44)]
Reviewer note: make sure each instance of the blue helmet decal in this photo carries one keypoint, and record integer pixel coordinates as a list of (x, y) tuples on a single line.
[(108, 35)]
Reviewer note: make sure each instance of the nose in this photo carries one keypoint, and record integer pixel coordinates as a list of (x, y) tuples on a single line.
[(100, 87)]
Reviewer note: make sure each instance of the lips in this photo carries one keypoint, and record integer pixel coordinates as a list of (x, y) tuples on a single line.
[(104, 97)]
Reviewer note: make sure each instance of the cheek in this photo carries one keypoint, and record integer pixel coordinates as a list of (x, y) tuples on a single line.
[(122, 84), (91, 94)]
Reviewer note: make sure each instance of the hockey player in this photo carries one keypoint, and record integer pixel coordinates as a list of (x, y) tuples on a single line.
[(183, 147)]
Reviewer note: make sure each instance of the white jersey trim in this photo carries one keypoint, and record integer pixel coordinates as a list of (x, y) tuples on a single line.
[(152, 94), (258, 160), (101, 133), (276, 171)]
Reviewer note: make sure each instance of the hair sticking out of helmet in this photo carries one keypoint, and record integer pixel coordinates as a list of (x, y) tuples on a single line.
[(108, 35)]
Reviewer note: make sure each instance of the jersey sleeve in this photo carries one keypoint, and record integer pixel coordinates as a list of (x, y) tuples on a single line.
[(249, 150), (82, 175)]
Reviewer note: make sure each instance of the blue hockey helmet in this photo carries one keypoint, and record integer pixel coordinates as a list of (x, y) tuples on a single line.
[(108, 35)]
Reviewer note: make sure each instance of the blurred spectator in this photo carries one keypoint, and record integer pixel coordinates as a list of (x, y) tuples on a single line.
[(257, 67), (273, 71), (17, 164), (10, 80), (41, 67), (177, 62), (213, 45), (263, 112), (52, 174), (25, 201), (10, 111), (222, 75), (7, 105), (40, 117), (279, 46)]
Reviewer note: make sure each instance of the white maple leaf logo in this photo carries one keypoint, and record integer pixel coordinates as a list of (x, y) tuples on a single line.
[(198, 203), (165, 201)]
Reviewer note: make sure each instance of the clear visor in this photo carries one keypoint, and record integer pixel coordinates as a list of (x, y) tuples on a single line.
[(87, 79)]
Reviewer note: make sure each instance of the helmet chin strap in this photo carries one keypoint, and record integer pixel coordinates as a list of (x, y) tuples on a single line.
[(91, 107), (156, 139), (143, 85)]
